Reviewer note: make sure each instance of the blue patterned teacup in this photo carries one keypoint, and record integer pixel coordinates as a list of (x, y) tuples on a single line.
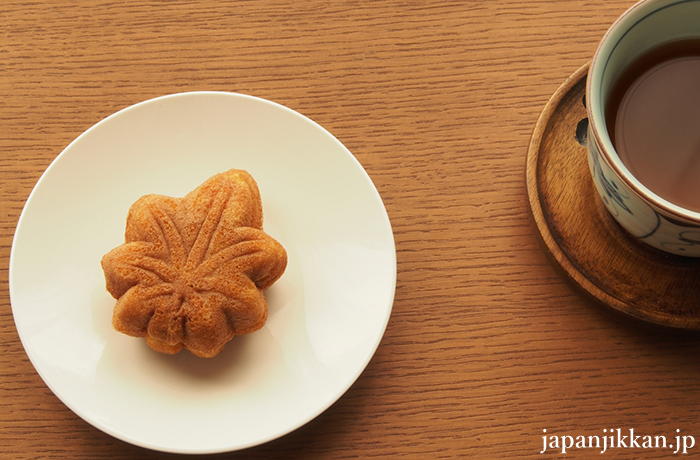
[(645, 215)]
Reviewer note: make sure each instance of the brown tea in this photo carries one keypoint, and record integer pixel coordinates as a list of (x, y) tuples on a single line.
[(653, 118)]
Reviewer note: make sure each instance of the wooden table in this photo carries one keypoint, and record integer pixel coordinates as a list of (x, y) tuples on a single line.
[(487, 346)]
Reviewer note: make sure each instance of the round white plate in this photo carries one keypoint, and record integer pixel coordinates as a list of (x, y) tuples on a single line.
[(327, 313)]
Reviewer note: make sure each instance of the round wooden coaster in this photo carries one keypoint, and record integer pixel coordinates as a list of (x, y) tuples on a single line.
[(584, 241)]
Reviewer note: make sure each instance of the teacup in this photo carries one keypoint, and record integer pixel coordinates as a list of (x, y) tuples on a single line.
[(645, 215)]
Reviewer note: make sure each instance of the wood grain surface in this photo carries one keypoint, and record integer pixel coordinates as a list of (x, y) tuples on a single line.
[(487, 346)]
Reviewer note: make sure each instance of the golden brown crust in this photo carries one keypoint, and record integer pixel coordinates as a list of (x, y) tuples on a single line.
[(192, 270)]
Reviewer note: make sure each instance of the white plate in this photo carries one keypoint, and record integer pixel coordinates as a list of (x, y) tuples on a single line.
[(327, 313)]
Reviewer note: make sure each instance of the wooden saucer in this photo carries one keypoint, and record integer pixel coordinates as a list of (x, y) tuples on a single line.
[(581, 237)]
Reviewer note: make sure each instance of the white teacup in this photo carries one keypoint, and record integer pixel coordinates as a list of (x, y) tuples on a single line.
[(645, 215)]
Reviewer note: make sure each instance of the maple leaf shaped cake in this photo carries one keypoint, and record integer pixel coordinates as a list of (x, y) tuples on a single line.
[(192, 270)]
